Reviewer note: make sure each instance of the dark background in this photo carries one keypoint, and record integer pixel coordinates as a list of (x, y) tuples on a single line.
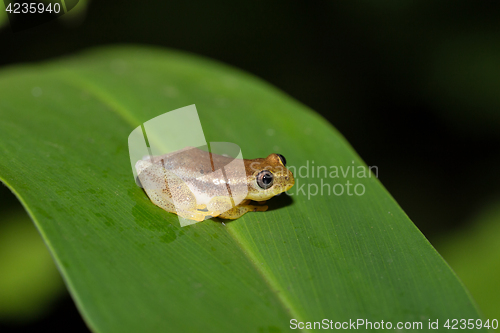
[(414, 86)]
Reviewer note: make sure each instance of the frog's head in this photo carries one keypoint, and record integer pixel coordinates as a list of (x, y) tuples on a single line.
[(268, 177)]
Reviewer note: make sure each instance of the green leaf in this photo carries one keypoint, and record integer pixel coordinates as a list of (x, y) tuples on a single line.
[(129, 265)]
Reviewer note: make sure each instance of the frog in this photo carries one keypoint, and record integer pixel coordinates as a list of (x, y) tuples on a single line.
[(184, 183)]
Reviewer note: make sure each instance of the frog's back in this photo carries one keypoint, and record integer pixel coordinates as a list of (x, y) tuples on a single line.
[(201, 171), (188, 163)]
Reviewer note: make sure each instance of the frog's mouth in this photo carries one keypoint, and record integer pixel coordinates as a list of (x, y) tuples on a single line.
[(291, 182), (283, 188), (289, 186)]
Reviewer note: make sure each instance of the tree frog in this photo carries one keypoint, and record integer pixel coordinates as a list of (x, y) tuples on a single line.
[(188, 183)]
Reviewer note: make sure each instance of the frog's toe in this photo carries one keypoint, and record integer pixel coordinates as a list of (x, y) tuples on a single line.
[(195, 216), (258, 208), (201, 207)]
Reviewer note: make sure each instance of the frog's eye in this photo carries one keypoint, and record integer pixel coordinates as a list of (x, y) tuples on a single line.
[(265, 179), (282, 159)]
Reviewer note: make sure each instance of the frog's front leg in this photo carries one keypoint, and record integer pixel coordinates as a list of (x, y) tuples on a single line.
[(222, 207), (239, 210)]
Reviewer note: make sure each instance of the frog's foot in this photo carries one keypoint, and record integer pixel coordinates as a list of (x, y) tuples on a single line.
[(240, 210), (201, 207), (193, 215), (218, 205)]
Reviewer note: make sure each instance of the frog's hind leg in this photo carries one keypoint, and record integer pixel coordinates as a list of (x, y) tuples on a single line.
[(186, 212), (218, 205), (168, 191), (201, 207)]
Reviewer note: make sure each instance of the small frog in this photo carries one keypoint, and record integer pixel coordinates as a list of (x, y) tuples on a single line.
[(191, 184)]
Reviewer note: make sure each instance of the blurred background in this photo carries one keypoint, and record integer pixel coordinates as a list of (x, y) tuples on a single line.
[(414, 86)]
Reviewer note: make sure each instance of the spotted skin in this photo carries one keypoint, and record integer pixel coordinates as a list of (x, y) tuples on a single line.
[(184, 183)]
